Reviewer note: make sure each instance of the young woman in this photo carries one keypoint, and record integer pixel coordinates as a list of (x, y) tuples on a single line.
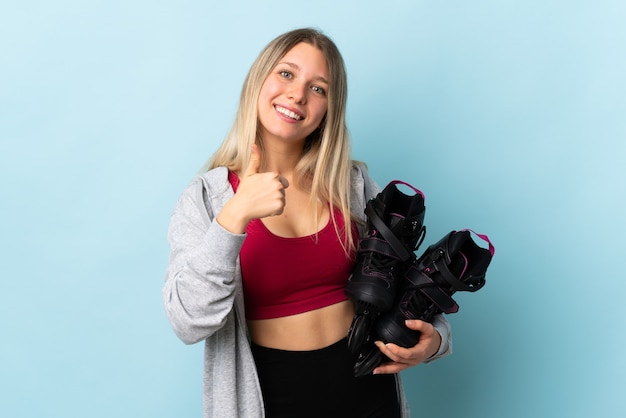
[(262, 245)]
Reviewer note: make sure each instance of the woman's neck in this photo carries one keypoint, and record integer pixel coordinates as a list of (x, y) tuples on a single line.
[(281, 158)]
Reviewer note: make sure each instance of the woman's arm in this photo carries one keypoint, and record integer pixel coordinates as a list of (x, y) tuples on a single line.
[(200, 281)]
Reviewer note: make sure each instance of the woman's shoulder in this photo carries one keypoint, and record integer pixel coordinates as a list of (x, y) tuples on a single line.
[(213, 182), (361, 180), (206, 193), (358, 171), (207, 184)]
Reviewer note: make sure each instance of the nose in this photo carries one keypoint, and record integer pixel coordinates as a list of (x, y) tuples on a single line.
[(297, 92)]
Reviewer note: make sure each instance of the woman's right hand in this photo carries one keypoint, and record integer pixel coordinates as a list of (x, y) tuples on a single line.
[(259, 195)]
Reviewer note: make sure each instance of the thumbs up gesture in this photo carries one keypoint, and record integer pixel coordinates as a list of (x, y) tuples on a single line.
[(259, 195)]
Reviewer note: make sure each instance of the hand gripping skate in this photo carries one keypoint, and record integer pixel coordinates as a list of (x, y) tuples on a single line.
[(455, 263), (394, 231)]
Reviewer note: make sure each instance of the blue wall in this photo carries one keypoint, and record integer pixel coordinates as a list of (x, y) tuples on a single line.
[(509, 115)]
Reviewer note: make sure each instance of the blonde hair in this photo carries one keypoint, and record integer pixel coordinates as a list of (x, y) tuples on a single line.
[(325, 160)]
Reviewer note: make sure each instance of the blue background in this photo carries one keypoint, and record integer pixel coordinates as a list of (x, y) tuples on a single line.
[(509, 115)]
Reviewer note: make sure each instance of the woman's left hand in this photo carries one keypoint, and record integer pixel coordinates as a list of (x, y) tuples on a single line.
[(403, 358)]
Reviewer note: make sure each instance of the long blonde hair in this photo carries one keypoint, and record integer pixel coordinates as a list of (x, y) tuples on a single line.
[(325, 163)]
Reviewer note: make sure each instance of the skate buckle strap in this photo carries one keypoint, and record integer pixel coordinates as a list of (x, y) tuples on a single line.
[(394, 242), (378, 245), (441, 266), (430, 289)]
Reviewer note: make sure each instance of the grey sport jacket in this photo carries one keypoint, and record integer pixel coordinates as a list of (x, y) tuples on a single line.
[(203, 294)]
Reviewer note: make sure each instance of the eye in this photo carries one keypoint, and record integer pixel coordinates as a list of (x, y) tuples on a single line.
[(319, 90), (285, 73)]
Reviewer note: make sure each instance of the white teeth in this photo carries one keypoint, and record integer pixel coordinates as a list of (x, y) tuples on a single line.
[(288, 113)]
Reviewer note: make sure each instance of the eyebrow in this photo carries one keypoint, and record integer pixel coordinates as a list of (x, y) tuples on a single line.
[(294, 65)]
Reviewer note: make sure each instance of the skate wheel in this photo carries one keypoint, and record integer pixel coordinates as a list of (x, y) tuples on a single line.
[(368, 362), (359, 332)]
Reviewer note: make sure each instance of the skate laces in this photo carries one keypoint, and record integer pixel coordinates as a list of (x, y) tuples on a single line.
[(416, 305)]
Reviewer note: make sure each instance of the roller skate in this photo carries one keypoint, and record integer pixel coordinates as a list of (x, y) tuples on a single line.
[(394, 231), (455, 263)]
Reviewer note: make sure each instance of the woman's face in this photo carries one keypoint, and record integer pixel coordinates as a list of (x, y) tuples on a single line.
[(293, 99)]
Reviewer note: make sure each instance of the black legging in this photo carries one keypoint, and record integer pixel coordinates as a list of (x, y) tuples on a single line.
[(320, 383)]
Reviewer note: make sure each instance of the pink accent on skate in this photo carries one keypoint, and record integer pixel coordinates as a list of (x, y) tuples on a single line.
[(465, 265), (417, 191), (485, 238)]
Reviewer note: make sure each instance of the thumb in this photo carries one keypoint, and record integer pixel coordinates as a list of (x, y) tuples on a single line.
[(255, 162)]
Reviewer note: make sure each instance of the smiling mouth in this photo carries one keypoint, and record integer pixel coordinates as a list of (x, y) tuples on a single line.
[(288, 113)]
